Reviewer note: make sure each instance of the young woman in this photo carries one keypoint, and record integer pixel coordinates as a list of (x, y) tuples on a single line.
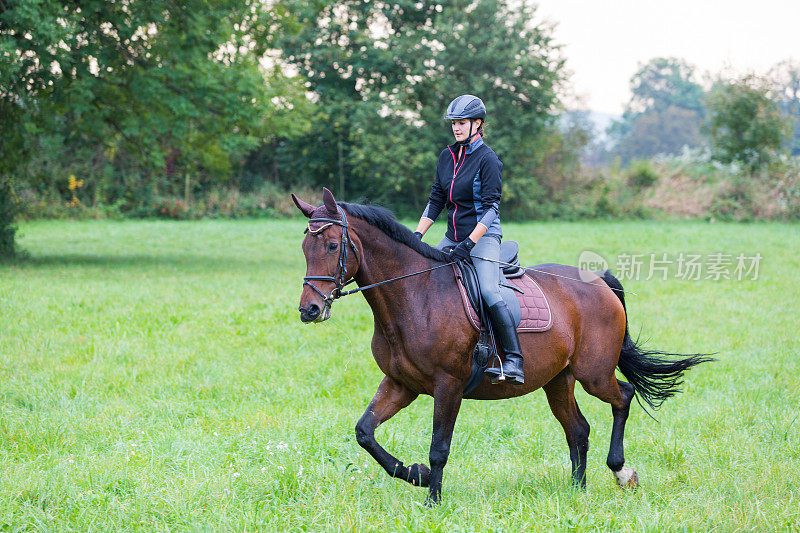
[(468, 182)]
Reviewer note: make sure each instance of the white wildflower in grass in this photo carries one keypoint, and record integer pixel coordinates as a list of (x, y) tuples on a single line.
[(216, 434), (263, 469), (236, 474)]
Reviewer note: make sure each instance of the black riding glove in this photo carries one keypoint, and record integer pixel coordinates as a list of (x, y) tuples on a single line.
[(462, 250), (418, 235)]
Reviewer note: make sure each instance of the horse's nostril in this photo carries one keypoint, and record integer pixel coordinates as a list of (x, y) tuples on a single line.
[(310, 313)]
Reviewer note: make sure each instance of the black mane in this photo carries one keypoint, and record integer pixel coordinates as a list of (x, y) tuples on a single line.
[(384, 220)]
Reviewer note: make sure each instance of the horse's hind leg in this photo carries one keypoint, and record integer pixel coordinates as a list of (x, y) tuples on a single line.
[(560, 395), (390, 398), (619, 394), (616, 452)]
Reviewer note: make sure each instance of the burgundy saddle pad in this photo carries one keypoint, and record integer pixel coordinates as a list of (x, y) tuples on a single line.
[(536, 315)]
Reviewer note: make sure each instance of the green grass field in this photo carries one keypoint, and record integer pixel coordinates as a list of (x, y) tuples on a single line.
[(155, 375)]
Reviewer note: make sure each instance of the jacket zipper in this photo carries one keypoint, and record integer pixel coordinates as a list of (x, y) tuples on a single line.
[(456, 168)]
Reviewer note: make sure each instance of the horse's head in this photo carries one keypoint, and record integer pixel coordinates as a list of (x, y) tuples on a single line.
[(332, 257)]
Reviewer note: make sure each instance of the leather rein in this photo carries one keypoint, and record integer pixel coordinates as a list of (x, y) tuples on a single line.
[(338, 278)]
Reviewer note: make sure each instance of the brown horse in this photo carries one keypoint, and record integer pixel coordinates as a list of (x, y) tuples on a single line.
[(423, 341)]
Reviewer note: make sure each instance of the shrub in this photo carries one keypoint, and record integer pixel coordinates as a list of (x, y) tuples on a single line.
[(641, 174), (172, 207)]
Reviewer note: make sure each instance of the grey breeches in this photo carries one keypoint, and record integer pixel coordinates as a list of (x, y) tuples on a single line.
[(488, 273)]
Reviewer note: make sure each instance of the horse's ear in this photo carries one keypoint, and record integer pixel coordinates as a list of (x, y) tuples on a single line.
[(307, 209), (330, 202)]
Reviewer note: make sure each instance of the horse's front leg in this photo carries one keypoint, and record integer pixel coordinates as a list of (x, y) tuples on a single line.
[(390, 398), (446, 403)]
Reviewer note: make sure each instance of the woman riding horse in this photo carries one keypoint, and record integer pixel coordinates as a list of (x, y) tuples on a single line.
[(468, 182), (410, 286)]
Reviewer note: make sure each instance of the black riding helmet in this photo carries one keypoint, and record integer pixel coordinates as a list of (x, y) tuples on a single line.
[(467, 106)]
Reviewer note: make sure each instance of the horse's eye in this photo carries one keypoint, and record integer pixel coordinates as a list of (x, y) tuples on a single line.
[(332, 246)]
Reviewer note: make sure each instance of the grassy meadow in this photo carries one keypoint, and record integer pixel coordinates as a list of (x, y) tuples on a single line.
[(155, 375)]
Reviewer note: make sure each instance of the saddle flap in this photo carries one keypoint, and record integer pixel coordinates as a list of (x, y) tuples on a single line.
[(535, 309), (468, 276)]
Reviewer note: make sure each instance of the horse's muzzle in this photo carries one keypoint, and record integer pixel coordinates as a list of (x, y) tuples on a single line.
[(313, 313)]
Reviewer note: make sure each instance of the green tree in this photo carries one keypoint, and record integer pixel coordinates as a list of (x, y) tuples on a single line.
[(384, 73), (665, 82), (665, 112), (745, 125), (664, 131), (164, 88)]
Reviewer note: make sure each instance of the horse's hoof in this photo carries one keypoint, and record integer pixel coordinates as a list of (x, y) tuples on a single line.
[(579, 484), (627, 478), (434, 498), (419, 475)]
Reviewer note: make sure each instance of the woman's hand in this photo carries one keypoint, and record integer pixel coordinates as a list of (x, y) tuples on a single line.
[(462, 250)]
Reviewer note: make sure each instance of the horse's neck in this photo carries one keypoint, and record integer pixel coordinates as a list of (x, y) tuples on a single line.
[(398, 303)]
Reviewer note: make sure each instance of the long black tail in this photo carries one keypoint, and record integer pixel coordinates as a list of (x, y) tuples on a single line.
[(655, 375)]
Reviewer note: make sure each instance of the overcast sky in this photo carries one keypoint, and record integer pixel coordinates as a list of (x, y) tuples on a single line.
[(606, 40)]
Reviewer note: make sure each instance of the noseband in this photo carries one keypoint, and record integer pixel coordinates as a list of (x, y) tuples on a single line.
[(338, 278)]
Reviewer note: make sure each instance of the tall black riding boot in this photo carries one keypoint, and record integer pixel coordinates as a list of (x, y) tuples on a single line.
[(506, 333)]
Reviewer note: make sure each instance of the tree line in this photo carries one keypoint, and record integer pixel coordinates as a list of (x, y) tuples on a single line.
[(147, 99), (745, 119), (161, 108)]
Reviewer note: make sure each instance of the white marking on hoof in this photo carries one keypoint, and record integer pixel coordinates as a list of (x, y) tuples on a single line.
[(627, 477)]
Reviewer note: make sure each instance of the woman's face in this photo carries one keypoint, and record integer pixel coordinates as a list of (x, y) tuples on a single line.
[(461, 127)]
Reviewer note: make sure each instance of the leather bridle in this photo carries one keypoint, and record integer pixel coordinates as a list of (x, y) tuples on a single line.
[(339, 277)]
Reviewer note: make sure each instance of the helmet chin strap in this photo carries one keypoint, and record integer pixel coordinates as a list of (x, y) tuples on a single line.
[(471, 135)]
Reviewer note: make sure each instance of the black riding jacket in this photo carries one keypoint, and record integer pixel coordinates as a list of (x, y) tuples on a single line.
[(469, 187)]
